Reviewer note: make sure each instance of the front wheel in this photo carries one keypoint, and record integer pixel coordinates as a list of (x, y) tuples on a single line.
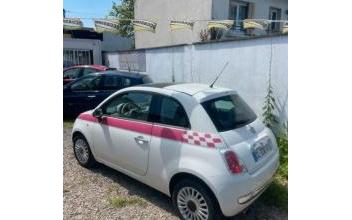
[(82, 151), (192, 200)]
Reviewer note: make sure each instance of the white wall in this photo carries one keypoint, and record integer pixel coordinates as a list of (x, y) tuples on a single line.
[(247, 71), (85, 44)]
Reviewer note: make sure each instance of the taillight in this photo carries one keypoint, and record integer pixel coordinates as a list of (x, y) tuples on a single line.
[(233, 162)]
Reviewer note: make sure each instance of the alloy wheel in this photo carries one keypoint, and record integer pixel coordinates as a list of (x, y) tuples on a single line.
[(81, 151), (192, 204)]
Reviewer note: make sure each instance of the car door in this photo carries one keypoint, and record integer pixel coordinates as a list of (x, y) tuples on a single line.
[(109, 85), (170, 124), (81, 95), (122, 137)]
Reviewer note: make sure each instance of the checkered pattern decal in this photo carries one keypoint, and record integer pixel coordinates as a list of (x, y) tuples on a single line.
[(201, 139)]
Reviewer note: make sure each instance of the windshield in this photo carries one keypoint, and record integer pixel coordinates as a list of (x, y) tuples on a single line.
[(229, 112)]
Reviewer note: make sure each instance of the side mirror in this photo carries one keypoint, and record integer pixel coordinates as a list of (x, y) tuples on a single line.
[(98, 113)]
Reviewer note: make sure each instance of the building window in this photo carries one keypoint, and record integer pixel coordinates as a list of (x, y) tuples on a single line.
[(77, 57), (238, 11), (274, 14)]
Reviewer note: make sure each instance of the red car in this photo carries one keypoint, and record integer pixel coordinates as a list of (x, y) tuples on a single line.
[(74, 72)]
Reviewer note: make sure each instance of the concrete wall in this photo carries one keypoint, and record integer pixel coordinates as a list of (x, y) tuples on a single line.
[(247, 71), (86, 44)]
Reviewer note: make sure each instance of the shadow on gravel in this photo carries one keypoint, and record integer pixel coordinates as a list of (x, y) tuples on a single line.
[(136, 188)]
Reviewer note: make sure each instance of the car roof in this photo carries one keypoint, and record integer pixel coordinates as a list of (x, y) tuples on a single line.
[(191, 89), (94, 66), (120, 73)]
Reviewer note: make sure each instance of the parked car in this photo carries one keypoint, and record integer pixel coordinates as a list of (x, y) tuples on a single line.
[(87, 92), (74, 72), (204, 147)]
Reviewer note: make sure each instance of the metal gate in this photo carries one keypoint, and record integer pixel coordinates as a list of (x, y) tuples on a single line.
[(77, 57)]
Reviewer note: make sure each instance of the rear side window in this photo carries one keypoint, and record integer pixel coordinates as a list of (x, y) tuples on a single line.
[(112, 83), (171, 113), (229, 112)]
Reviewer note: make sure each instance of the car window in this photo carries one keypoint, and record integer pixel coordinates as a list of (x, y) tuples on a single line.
[(134, 105), (229, 112), (72, 73), (172, 113), (126, 82), (86, 71), (111, 83), (115, 82), (86, 83)]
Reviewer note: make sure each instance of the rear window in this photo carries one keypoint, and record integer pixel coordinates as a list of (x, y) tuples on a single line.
[(229, 112)]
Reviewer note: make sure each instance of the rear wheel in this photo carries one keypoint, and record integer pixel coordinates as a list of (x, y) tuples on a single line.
[(192, 200), (82, 151)]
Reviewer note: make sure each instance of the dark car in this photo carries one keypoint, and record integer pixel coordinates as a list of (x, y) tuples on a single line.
[(75, 72), (88, 91)]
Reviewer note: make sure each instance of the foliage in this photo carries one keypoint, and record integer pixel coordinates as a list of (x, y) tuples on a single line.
[(277, 193), (269, 107), (204, 35), (215, 33), (125, 10), (282, 142), (120, 202), (210, 34), (269, 103)]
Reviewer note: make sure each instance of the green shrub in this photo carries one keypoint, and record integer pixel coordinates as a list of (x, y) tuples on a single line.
[(282, 142), (276, 195)]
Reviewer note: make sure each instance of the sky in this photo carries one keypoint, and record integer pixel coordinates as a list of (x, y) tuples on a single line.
[(88, 8)]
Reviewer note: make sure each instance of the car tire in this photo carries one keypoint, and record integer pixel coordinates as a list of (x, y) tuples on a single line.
[(82, 151), (192, 197)]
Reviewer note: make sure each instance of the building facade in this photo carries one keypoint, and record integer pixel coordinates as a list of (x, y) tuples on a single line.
[(85, 46), (162, 11)]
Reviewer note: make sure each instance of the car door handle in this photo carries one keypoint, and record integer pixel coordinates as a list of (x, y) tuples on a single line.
[(140, 140), (91, 96)]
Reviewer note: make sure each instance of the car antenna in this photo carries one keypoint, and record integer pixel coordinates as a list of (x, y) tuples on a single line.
[(217, 77)]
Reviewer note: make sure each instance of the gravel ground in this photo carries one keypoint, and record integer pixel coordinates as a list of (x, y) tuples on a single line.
[(88, 194)]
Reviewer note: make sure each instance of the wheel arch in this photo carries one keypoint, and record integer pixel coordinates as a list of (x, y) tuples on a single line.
[(187, 175), (76, 132)]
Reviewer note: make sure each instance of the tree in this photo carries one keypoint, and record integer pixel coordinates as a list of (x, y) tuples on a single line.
[(125, 10)]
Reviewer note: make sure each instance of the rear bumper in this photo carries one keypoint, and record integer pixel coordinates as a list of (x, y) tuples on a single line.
[(235, 193)]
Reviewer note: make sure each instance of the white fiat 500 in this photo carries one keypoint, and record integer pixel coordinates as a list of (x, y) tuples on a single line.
[(204, 147)]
